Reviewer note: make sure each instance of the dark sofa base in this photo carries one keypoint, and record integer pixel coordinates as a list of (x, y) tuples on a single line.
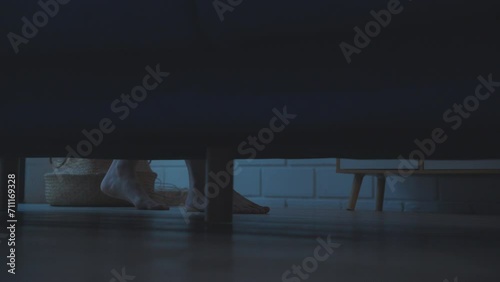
[(362, 143)]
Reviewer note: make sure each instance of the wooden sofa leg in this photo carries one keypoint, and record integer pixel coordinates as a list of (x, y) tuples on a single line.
[(380, 192), (219, 186), (356, 186)]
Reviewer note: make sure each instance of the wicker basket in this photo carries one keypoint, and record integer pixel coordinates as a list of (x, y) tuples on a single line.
[(77, 183)]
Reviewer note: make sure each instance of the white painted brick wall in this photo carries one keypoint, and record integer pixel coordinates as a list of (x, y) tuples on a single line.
[(288, 182), (417, 188), (314, 182), (248, 182), (34, 191), (330, 184), (486, 189)]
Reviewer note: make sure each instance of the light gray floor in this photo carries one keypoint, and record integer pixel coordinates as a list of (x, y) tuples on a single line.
[(87, 244)]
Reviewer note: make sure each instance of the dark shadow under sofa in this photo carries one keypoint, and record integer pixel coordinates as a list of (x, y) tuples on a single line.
[(272, 72)]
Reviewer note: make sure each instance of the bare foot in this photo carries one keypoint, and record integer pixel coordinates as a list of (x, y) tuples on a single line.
[(241, 205), (120, 182)]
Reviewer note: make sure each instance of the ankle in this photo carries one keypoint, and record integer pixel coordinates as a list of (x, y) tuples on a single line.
[(125, 168)]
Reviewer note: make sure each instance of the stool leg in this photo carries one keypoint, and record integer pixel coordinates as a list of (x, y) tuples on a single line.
[(356, 186), (380, 192)]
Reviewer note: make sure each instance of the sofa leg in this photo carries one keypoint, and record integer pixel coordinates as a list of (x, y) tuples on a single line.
[(356, 186), (380, 192), (219, 186)]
